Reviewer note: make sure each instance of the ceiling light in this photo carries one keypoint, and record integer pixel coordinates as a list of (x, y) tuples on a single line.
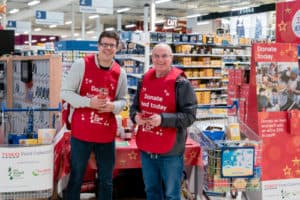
[(26, 42), (94, 37), (161, 1), (130, 25), (17, 34), (37, 29), (76, 34), (33, 41), (33, 3), (64, 36), (43, 39), (15, 10), (203, 23), (169, 27), (52, 26), (68, 22), (25, 32), (193, 15), (90, 32), (160, 21), (110, 29), (93, 16), (241, 8), (123, 10), (52, 38)]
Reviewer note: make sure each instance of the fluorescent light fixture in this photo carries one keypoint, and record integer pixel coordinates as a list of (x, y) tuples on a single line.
[(26, 42), (160, 21), (33, 3), (93, 16), (94, 37), (64, 36), (17, 34), (15, 10), (68, 22), (37, 29), (161, 1), (110, 29), (241, 8), (193, 15), (79, 38), (26, 32), (33, 41), (203, 23), (53, 26), (52, 38), (169, 27), (43, 39), (76, 34), (90, 32), (123, 10), (130, 25)]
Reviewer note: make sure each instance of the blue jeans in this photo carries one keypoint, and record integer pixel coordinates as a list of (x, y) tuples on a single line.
[(162, 176), (105, 160)]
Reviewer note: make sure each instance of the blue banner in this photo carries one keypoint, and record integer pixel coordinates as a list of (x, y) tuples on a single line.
[(74, 45)]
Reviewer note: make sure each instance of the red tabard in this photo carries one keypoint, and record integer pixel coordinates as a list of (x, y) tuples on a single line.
[(87, 124), (157, 95)]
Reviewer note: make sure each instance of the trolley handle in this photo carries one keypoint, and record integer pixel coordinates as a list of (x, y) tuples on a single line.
[(235, 104), (4, 109)]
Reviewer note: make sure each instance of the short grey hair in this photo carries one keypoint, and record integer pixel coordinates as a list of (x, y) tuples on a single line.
[(163, 45)]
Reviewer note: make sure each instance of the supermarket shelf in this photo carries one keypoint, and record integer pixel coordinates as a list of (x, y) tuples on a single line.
[(196, 67), (209, 116), (132, 87), (196, 55), (237, 62), (246, 55), (130, 56), (204, 78), (201, 44), (209, 89), (135, 75)]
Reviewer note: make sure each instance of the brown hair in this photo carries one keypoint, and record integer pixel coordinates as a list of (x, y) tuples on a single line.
[(109, 34)]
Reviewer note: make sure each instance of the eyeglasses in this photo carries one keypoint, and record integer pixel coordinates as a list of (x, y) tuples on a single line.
[(164, 56), (106, 45)]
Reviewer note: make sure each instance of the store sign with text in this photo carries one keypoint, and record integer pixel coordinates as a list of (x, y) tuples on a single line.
[(49, 18), (288, 22), (19, 26), (26, 168), (281, 189), (96, 6), (273, 96)]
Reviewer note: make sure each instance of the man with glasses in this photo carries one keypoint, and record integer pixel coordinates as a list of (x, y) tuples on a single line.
[(163, 108), (96, 89)]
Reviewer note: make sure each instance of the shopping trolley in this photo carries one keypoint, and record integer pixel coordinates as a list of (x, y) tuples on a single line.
[(231, 166), (27, 171)]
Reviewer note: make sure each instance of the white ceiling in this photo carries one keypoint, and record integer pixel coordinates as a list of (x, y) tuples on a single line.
[(177, 8)]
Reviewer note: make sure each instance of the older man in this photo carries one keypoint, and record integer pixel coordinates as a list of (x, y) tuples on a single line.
[(164, 106)]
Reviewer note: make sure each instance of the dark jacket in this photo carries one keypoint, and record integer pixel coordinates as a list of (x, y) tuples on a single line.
[(186, 105)]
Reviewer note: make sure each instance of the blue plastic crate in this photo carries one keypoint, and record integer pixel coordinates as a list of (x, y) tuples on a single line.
[(215, 135)]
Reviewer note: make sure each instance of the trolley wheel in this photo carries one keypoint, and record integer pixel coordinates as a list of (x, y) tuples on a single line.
[(234, 193)]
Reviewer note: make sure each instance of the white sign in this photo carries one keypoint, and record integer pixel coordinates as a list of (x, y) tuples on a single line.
[(96, 6), (19, 26), (286, 189), (296, 23), (49, 18), (26, 168)]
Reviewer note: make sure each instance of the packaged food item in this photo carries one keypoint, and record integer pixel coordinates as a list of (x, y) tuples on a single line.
[(46, 135), (233, 131), (28, 141)]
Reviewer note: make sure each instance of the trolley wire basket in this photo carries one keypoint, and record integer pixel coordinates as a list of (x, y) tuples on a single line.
[(26, 170), (230, 165)]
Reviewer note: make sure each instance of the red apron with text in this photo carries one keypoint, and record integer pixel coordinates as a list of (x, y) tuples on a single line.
[(157, 95), (87, 124)]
